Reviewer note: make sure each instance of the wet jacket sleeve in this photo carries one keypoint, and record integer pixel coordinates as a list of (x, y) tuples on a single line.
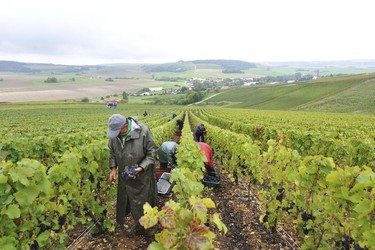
[(112, 159), (150, 149)]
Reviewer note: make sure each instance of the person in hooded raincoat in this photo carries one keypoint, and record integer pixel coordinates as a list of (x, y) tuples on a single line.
[(131, 143)]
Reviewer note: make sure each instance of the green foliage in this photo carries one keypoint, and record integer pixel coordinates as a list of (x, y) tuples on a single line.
[(312, 169), (183, 226), (325, 94), (183, 222), (51, 80), (40, 204), (327, 202), (125, 96), (191, 97), (26, 195)]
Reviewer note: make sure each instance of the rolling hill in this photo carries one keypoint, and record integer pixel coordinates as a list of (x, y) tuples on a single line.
[(337, 94), (353, 91)]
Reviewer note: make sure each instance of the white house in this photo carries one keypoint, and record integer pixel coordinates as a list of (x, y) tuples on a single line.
[(156, 89)]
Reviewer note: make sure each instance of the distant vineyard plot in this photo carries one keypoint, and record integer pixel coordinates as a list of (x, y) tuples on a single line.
[(338, 94)]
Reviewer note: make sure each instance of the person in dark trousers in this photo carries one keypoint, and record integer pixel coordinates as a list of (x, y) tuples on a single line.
[(167, 154), (180, 124), (132, 153), (200, 132)]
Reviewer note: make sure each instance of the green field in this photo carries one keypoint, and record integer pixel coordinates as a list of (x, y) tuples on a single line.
[(56, 153), (307, 148), (335, 91), (340, 94)]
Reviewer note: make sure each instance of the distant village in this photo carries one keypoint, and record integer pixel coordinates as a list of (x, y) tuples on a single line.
[(202, 84), (213, 84)]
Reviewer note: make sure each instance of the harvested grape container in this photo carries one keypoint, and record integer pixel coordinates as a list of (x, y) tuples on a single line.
[(164, 185), (211, 179)]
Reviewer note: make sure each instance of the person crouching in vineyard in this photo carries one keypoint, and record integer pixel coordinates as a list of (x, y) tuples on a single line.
[(206, 149), (200, 132), (167, 154), (210, 178), (132, 153)]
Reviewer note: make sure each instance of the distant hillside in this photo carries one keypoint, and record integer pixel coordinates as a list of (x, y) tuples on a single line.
[(168, 67), (363, 64), (336, 94), (228, 64), (21, 67), (232, 66), (225, 66), (9, 66)]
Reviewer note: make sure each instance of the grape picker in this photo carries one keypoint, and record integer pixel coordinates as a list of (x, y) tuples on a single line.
[(132, 153)]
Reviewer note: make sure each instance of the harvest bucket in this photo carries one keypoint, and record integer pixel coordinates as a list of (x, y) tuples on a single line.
[(160, 171), (164, 185)]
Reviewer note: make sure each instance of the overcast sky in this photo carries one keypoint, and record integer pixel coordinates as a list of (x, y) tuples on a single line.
[(158, 31)]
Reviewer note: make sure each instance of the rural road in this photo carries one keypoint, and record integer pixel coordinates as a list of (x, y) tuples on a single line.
[(205, 99)]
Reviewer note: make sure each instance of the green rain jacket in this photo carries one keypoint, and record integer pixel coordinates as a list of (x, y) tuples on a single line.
[(139, 148), (167, 152)]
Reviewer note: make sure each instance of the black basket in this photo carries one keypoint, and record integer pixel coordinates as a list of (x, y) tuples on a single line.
[(211, 179), (164, 185)]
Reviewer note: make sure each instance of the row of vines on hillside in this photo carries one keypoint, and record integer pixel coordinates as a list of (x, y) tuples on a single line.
[(51, 182), (346, 146), (330, 205), (183, 219), (55, 168)]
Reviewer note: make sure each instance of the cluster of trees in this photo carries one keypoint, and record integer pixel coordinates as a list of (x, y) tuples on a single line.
[(167, 79), (213, 85), (125, 96), (190, 97), (51, 80), (296, 77)]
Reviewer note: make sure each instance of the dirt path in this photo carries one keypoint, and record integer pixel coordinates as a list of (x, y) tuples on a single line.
[(240, 213), (205, 99)]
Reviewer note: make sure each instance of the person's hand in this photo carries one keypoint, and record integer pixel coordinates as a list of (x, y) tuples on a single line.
[(130, 172), (112, 175), (138, 170)]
